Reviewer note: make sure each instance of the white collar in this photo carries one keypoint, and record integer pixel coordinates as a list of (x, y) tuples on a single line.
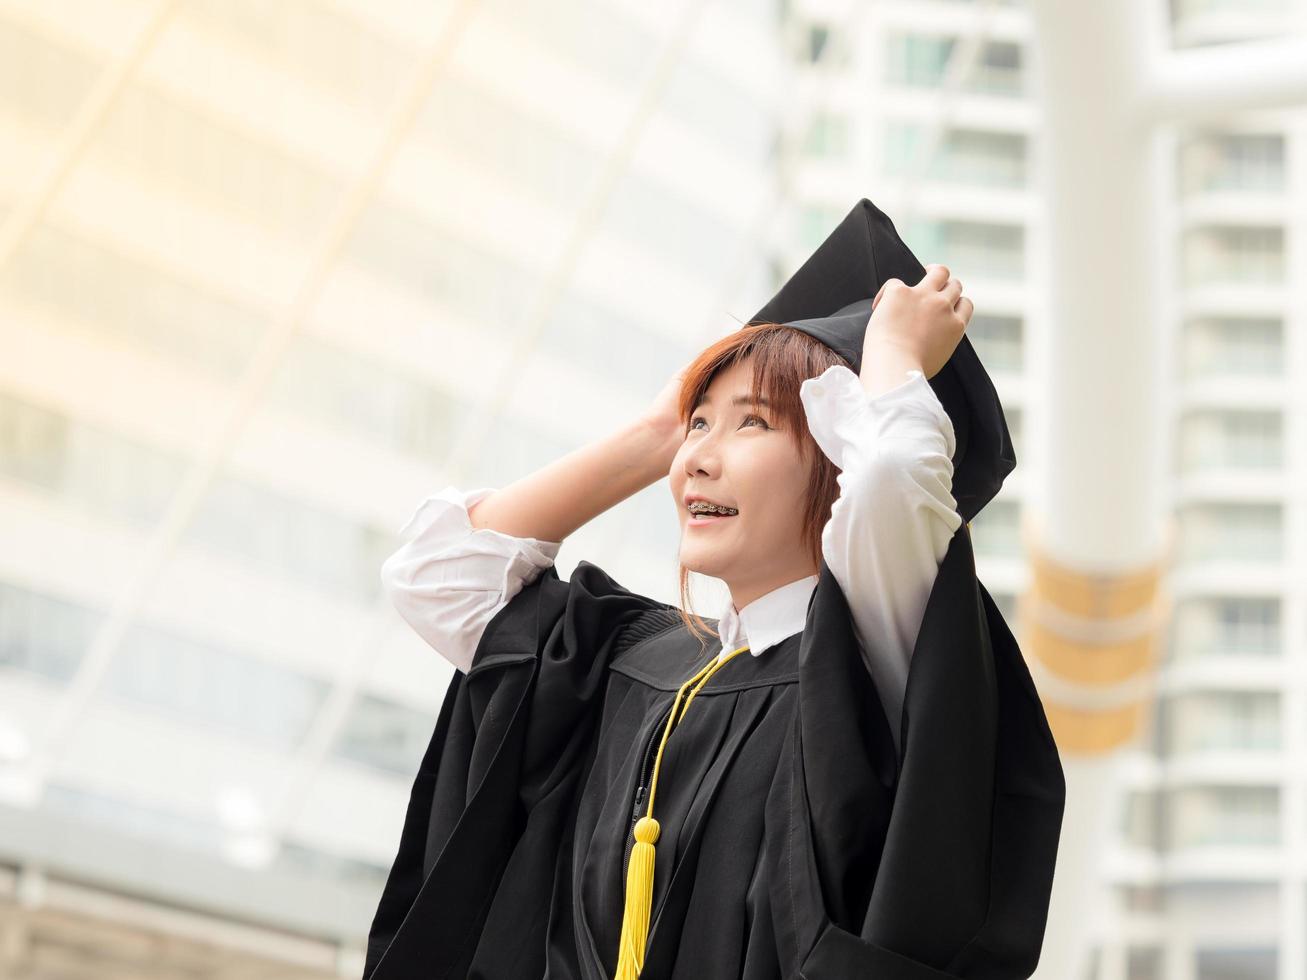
[(767, 620)]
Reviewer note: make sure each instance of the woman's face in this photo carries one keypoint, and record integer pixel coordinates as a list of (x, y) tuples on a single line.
[(734, 454)]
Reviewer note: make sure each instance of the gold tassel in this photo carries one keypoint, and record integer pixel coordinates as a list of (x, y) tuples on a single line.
[(639, 898), (640, 874)]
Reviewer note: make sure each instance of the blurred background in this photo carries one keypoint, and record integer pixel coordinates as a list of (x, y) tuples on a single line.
[(273, 271)]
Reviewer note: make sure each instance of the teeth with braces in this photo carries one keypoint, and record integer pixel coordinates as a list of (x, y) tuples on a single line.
[(699, 507)]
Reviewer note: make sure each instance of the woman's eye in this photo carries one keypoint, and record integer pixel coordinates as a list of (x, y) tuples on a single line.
[(758, 418)]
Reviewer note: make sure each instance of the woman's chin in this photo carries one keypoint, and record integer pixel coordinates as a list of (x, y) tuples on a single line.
[(700, 560)]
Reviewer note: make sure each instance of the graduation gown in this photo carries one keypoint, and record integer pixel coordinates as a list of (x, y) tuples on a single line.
[(795, 841)]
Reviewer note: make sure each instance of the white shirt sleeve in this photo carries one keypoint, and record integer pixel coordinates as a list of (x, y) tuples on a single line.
[(895, 516), (449, 579)]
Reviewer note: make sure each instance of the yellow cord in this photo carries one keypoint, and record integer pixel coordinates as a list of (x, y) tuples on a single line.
[(640, 874)]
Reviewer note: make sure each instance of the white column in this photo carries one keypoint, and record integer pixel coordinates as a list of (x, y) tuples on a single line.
[(1097, 372)]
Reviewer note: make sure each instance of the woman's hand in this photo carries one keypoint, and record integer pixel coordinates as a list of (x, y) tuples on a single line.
[(924, 322), (663, 413)]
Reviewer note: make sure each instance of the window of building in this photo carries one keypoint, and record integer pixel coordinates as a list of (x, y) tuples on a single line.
[(827, 135), (1231, 531), (996, 530), (922, 60), (1224, 816), (999, 340), (1223, 626), (1233, 255), (1232, 162), (1251, 963), (1223, 721), (1231, 439), (1233, 347), (964, 156)]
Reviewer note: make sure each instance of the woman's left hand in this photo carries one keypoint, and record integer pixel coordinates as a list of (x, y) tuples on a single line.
[(926, 321)]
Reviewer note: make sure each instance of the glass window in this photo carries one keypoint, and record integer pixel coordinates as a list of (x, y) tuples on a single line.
[(282, 535), (103, 473), (1186, 8), (1232, 162), (303, 860), (205, 684), (968, 248), (922, 60), (1231, 439), (1223, 721), (816, 222), (827, 134), (353, 393), (1233, 255), (163, 828), (385, 735), (43, 634), (1252, 963), (820, 44), (998, 339), (1139, 818), (918, 59), (1226, 626), (999, 71), (995, 531), (1231, 531), (963, 156), (1234, 347), (1224, 816)]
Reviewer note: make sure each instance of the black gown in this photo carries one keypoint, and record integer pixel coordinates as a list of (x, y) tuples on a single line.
[(795, 842)]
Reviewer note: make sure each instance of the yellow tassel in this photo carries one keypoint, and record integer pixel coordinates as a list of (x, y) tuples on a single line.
[(640, 874), (639, 898)]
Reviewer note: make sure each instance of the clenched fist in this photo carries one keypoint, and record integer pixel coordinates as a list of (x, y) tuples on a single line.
[(926, 321)]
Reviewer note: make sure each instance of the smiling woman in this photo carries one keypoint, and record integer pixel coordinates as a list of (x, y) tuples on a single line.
[(614, 790)]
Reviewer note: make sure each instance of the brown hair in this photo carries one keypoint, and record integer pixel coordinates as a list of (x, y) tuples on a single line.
[(782, 359)]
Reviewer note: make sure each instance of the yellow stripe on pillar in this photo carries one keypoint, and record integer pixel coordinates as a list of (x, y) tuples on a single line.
[(1086, 633)]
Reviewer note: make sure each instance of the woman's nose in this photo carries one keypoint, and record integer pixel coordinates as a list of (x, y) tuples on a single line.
[(700, 459)]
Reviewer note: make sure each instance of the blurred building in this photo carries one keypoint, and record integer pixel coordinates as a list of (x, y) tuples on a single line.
[(927, 108), (269, 275), (1208, 880)]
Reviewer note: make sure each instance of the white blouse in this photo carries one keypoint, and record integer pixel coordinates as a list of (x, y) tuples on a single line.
[(887, 533)]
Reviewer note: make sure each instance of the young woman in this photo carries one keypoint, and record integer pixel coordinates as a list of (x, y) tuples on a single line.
[(617, 789)]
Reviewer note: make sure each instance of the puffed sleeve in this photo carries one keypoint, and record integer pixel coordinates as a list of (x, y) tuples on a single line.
[(448, 579), (895, 516), (491, 796)]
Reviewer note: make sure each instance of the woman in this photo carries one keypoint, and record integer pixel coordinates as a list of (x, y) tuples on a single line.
[(615, 789)]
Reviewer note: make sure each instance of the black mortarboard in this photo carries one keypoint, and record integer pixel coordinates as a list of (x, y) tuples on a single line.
[(829, 298)]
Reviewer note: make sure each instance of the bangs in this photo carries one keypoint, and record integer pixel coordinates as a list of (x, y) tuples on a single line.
[(782, 358)]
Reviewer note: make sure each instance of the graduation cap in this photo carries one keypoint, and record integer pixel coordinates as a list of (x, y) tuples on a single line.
[(829, 298)]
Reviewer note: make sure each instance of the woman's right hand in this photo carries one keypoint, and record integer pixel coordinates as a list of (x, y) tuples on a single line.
[(663, 413)]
